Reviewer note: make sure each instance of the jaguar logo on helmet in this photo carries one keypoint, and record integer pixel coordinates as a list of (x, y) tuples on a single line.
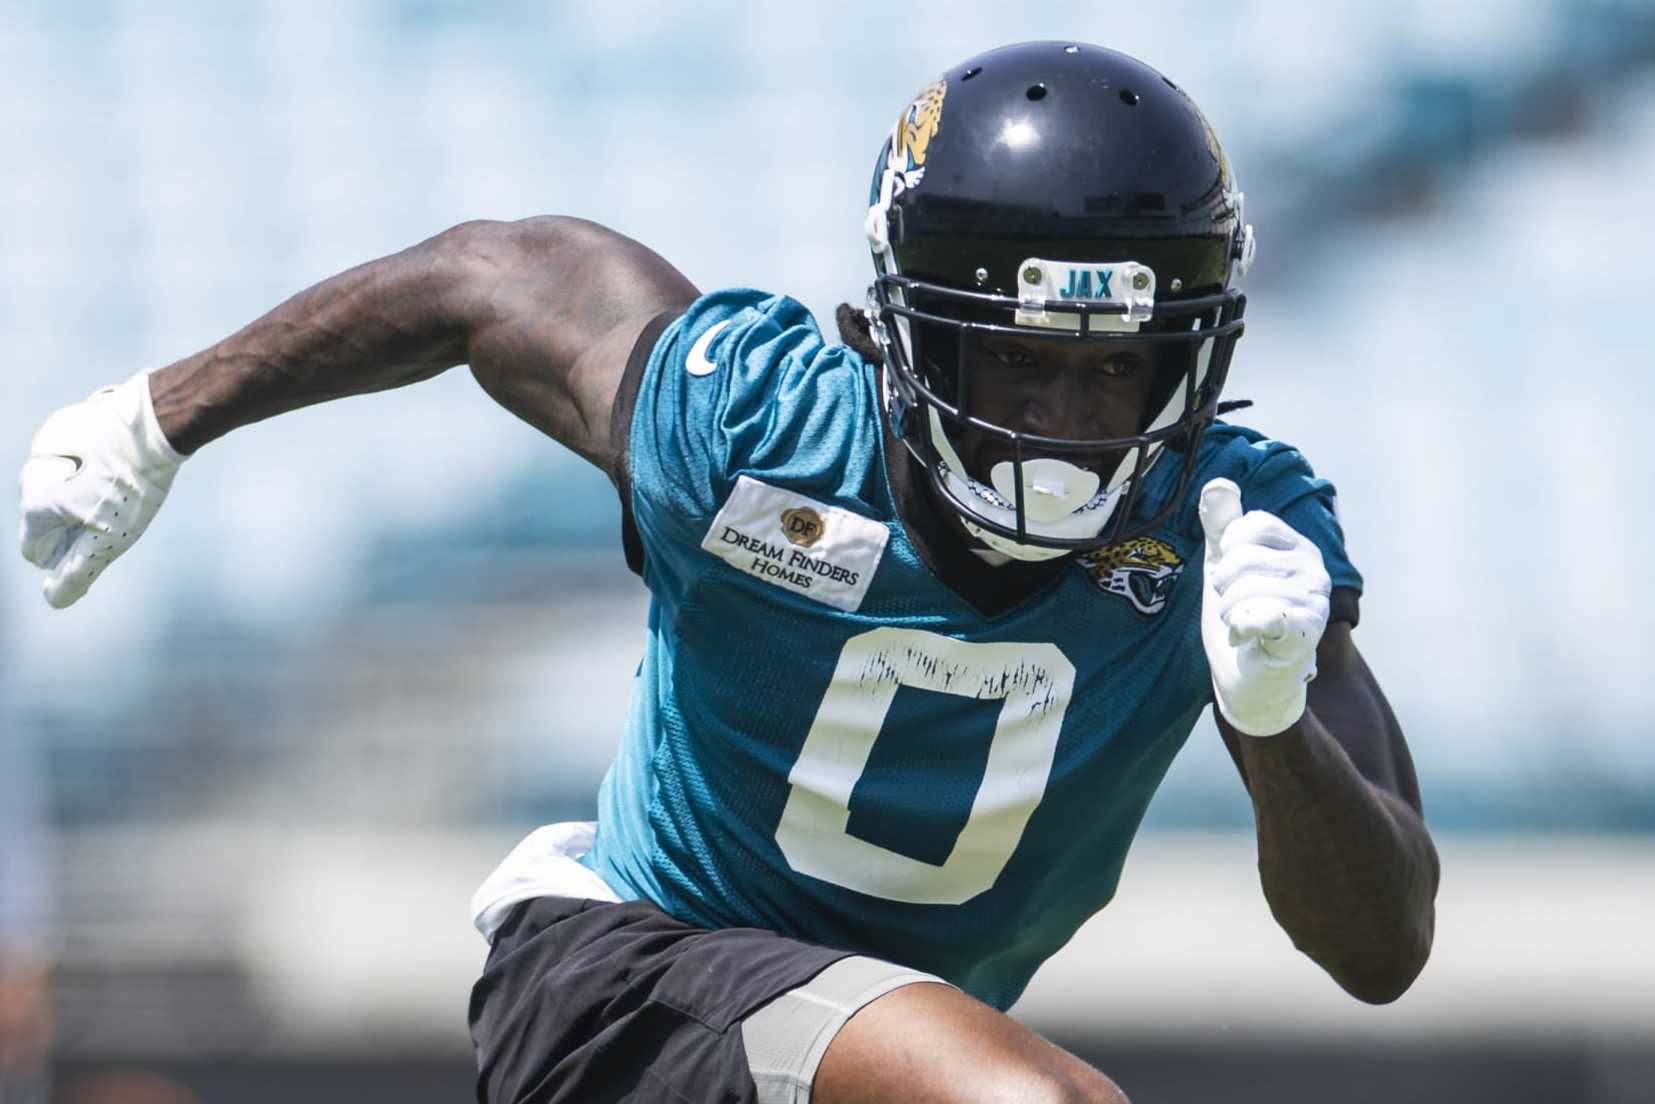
[(902, 163), (803, 526), (1142, 570), (914, 130)]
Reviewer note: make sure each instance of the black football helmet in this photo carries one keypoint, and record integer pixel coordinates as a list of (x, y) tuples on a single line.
[(1068, 192)]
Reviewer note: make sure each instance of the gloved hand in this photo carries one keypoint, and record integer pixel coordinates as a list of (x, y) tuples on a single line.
[(1264, 606), (96, 473)]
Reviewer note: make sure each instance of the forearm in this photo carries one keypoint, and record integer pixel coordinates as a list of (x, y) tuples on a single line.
[(1348, 868), (383, 324)]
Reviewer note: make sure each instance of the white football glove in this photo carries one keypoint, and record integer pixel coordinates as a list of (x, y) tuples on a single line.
[(96, 474), (1264, 606)]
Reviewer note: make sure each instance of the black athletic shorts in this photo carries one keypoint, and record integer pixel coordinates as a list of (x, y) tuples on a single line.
[(587, 1002)]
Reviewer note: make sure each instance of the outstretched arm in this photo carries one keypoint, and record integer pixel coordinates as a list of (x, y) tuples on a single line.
[(545, 310)]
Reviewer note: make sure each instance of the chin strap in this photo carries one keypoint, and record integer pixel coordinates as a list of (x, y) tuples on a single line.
[(1027, 553)]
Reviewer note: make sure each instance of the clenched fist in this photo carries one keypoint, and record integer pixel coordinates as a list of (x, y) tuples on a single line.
[(96, 473), (1264, 606)]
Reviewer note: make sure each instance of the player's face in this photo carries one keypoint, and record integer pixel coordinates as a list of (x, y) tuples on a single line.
[(1054, 387)]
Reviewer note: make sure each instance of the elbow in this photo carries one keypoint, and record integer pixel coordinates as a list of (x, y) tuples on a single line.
[(489, 239), (1390, 971), (476, 259), (1380, 988), (477, 264), (463, 264)]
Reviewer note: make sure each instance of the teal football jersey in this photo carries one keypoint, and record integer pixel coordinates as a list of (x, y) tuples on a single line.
[(826, 741)]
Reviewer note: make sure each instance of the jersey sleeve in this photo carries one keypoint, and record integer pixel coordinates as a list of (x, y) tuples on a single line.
[(1276, 477), (741, 383)]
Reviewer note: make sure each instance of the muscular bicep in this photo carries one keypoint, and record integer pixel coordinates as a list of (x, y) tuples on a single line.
[(1346, 699), (555, 307)]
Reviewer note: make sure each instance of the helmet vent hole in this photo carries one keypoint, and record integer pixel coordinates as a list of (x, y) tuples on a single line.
[(1036, 92), (1129, 97), (971, 72)]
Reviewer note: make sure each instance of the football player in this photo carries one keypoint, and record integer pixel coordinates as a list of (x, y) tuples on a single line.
[(933, 609)]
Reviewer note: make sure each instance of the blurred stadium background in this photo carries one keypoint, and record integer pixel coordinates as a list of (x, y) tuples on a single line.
[(247, 786)]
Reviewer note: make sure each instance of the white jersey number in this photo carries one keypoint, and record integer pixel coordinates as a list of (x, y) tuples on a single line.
[(1033, 681)]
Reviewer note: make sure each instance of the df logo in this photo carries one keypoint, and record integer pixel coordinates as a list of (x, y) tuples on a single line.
[(803, 526)]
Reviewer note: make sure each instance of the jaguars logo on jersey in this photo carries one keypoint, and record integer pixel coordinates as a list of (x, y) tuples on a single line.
[(1142, 571)]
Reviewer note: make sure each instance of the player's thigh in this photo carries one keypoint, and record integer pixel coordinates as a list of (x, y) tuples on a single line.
[(932, 1044)]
